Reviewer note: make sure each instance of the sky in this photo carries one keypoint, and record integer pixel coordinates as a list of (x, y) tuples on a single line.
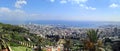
[(69, 10)]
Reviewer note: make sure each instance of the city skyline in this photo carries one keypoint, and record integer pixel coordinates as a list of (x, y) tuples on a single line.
[(69, 10)]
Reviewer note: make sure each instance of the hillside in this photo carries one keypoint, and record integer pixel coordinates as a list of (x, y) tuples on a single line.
[(13, 35)]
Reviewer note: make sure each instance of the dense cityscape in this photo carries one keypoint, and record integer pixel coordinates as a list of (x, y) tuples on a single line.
[(105, 32), (62, 30)]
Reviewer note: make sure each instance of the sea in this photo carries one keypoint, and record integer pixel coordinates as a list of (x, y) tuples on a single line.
[(82, 24)]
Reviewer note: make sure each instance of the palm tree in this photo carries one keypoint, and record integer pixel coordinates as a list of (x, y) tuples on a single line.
[(68, 43), (39, 43), (92, 42)]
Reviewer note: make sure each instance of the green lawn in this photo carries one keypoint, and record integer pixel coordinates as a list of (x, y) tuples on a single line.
[(20, 48)]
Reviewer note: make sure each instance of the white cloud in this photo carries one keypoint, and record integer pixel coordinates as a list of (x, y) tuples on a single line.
[(113, 5), (87, 7), (7, 10), (63, 1), (90, 8), (4, 9), (52, 0), (71, 1), (21, 16), (78, 1), (81, 3), (8, 14), (20, 3)]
